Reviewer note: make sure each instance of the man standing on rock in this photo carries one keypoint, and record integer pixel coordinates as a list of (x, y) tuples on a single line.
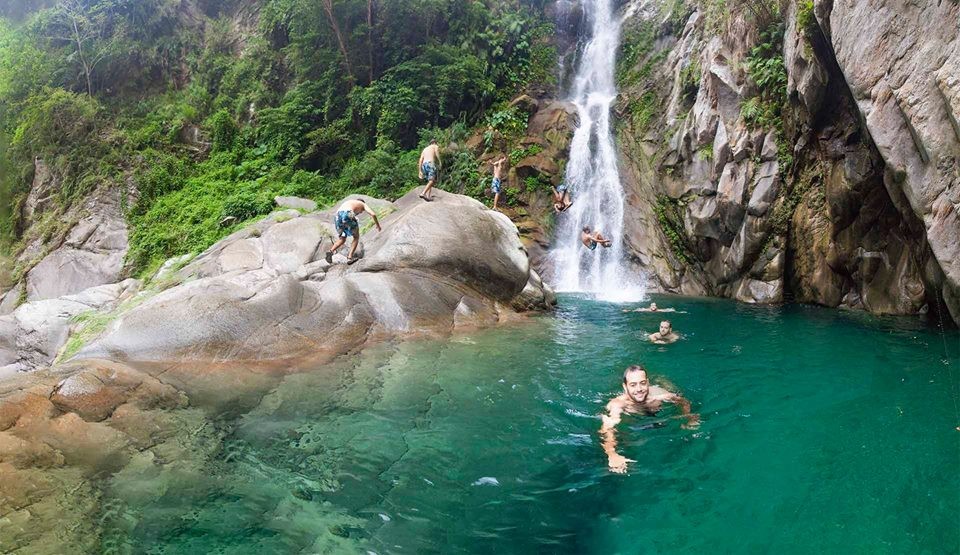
[(496, 183), (641, 398), (429, 163), (348, 226), (591, 239)]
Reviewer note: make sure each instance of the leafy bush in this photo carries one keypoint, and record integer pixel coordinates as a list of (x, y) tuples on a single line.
[(806, 21), (670, 215), (519, 153), (223, 130)]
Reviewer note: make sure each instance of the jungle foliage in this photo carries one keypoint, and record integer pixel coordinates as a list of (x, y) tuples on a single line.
[(212, 107)]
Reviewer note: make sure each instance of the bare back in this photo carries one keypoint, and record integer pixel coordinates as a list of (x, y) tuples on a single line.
[(429, 154), (356, 206)]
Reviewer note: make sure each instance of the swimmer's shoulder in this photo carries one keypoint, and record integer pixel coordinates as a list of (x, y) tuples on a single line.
[(659, 393)]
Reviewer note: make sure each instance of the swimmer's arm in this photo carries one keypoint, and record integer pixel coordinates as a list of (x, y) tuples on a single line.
[(615, 461), (420, 165), (693, 419)]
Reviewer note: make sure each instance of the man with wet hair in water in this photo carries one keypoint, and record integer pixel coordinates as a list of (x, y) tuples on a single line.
[(591, 239), (347, 226), (641, 398), (665, 335), (428, 165), (652, 308)]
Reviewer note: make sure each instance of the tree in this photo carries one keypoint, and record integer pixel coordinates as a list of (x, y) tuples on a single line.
[(332, 19), (88, 32)]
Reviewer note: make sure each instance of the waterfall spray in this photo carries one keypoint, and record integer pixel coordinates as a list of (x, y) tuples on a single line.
[(592, 173)]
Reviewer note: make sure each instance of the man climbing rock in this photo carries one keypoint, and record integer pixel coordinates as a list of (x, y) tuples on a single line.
[(591, 239), (665, 335), (429, 163), (561, 197), (348, 226), (495, 184), (640, 398)]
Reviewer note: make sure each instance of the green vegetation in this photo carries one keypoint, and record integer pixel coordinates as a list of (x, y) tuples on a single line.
[(806, 21), (767, 70), (670, 215), (320, 100), (520, 153), (644, 109)]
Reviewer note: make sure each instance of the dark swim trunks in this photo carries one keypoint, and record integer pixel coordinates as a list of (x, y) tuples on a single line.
[(593, 245), (347, 225), (495, 185)]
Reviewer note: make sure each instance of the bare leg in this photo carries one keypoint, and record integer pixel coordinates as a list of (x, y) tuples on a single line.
[(353, 247), (496, 200), (338, 244), (426, 190), (566, 200)]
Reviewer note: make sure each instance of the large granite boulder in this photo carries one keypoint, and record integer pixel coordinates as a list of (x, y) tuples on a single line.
[(266, 292)]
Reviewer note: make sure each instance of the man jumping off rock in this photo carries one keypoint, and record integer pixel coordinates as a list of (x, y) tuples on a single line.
[(561, 197), (429, 163), (591, 239), (348, 226)]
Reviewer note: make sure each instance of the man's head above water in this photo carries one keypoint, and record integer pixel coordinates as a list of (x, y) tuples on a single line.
[(635, 383), (665, 327)]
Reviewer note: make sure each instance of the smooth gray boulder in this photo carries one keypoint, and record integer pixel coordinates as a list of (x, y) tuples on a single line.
[(91, 255), (296, 203), (266, 292), (32, 336)]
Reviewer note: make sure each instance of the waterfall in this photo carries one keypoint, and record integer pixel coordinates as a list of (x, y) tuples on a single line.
[(592, 175)]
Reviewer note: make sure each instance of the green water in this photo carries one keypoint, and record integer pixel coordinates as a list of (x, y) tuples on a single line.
[(823, 432)]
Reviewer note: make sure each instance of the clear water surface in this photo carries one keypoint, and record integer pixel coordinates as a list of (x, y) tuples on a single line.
[(823, 432)]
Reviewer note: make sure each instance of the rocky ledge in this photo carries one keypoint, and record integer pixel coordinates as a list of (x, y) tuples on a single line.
[(265, 293)]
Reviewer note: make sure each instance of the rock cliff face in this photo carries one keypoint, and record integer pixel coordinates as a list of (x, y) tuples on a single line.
[(71, 251), (850, 201)]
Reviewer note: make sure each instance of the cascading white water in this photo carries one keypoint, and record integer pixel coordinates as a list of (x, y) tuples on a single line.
[(592, 175)]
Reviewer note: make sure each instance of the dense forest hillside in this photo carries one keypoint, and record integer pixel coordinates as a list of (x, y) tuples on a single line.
[(190, 116)]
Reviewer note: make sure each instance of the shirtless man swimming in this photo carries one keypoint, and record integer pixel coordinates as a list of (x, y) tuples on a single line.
[(591, 239), (348, 226), (638, 397), (495, 184), (666, 335), (429, 163), (652, 308)]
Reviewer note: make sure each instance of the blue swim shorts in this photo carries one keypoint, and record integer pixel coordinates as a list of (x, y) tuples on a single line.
[(562, 188), (347, 224), (495, 185), (593, 245), (429, 171)]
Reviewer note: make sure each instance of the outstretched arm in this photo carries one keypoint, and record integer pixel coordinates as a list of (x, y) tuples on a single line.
[(372, 215), (693, 419), (615, 461)]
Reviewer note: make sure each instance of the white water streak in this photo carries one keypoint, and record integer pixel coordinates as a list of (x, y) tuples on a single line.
[(592, 173)]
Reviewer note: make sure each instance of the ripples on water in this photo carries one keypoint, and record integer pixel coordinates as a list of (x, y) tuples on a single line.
[(822, 432)]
